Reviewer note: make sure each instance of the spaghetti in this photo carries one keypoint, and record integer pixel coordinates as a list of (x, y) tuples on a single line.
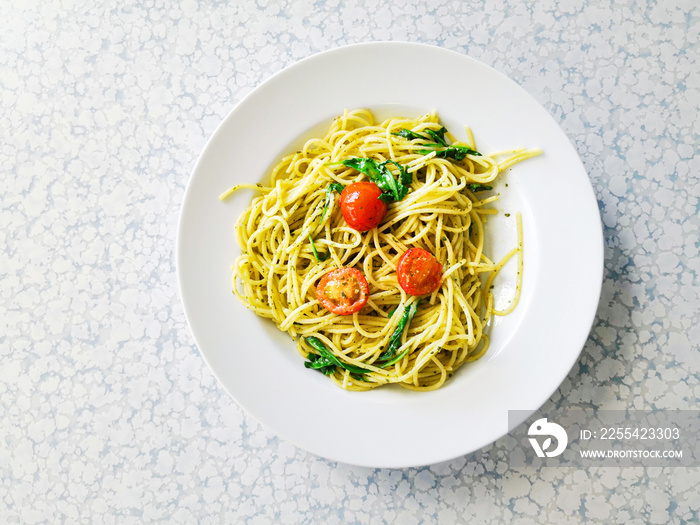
[(293, 233)]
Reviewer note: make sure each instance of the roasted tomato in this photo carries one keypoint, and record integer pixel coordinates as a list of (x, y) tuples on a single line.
[(343, 291), (361, 207), (419, 272)]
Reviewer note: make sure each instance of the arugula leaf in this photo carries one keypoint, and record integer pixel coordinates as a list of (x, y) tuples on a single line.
[(379, 173), (405, 177), (317, 344), (316, 362), (404, 182), (461, 152), (319, 258), (408, 134), (396, 359), (333, 186), (395, 339), (478, 187), (438, 136), (450, 152), (369, 167)]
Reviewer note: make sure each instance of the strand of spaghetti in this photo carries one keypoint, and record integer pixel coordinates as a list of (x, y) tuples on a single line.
[(518, 158), (294, 314), (519, 275), (237, 187)]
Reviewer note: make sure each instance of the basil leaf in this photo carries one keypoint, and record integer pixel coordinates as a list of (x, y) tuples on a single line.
[(317, 344)]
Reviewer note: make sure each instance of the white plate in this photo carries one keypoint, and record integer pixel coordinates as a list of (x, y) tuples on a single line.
[(532, 350)]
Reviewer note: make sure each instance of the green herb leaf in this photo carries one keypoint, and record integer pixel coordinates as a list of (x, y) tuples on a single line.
[(451, 152), (319, 258), (317, 344), (479, 187), (369, 167), (408, 134), (381, 175), (395, 339), (316, 362), (438, 136), (333, 186), (396, 359), (403, 185)]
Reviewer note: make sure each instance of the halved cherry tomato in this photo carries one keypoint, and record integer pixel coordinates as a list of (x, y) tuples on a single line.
[(419, 272), (361, 207), (343, 291)]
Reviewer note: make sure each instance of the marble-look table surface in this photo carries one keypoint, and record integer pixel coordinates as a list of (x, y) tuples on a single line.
[(108, 413)]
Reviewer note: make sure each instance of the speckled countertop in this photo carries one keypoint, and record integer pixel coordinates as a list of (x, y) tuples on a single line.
[(108, 414)]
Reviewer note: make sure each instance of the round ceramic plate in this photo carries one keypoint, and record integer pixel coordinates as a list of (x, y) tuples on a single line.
[(532, 350)]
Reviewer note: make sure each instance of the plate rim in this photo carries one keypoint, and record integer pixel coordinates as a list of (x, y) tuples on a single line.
[(225, 122)]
